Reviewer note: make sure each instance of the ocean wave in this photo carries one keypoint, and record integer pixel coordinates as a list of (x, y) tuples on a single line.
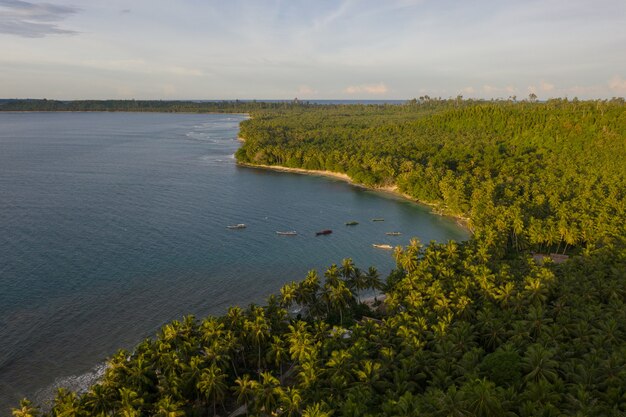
[(205, 137), (77, 383)]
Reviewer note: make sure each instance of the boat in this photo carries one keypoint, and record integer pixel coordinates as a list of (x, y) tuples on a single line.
[(378, 220), (323, 232), (289, 233), (352, 223), (393, 233), (236, 226), (382, 246)]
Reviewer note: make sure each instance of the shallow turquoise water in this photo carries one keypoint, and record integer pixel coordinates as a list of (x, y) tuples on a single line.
[(112, 224)]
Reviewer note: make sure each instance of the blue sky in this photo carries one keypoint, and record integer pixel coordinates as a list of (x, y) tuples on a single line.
[(344, 49)]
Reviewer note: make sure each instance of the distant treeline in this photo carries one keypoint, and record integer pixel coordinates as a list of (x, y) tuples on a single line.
[(233, 106)]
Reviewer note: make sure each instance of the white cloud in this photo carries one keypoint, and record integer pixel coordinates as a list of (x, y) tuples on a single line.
[(306, 90), (545, 86), (617, 84), (494, 91), (374, 89)]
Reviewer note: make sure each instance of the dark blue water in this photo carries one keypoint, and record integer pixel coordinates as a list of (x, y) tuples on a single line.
[(112, 224)]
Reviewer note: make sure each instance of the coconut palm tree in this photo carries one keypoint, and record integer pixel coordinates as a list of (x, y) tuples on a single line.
[(27, 409), (317, 410), (268, 393), (98, 399), (212, 385), (129, 404), (539, 365), (167, 407), (291, 402), (258, 330), (244, 389)]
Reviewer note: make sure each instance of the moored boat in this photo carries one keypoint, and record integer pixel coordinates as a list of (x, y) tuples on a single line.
[(236, 226), (352, 223), (288, 233), (323, 232), (382, 246), (378, 220), (393, 233)]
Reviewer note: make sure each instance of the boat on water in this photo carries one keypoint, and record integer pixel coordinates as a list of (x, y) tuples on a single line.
[(236, 226), (352, 223), (323, 232), (382, 246), (288, 233), (393, 233), (378, 220)]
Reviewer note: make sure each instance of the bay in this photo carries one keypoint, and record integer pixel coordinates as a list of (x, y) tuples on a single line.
[(112, 224)]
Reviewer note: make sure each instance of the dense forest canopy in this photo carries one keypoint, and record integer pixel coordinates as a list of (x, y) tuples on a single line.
[(476, 328)]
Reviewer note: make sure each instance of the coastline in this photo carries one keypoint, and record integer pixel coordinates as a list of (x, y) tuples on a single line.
[(392, 190)]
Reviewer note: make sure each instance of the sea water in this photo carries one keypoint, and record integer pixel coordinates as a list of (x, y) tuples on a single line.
[(112, 224)]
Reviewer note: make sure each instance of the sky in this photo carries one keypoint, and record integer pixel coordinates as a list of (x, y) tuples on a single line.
[(322, 49)]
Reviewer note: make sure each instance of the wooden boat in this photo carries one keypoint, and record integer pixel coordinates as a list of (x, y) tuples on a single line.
[(352, 223), (236, 226), (382, 246), (393, 233), (378, 220), (289, 233), (323, 232)]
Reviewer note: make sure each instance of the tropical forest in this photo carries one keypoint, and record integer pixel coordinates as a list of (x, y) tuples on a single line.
[(526, 318)]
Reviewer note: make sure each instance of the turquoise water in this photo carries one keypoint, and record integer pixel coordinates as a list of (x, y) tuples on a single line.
[(112, 224)]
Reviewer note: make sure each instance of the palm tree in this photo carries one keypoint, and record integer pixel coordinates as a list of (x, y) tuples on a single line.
[(482, 398), (347, 270), (191, 375), (317, 410), (290, 401), (300, 341), (372, 279), (258, 330), (539, 365), (65, 403), (268, 393), (130, 403), (212, 384), (337, 296), (244, 388), (166, 407), (27, 409), (98, 399), (277, 353), (288, 294)]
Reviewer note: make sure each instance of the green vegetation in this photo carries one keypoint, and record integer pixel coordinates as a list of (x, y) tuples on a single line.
[(542, 176), (475, 328), (141, 106)]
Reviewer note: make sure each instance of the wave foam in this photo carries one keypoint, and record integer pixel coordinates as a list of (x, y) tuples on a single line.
[(77, 383)]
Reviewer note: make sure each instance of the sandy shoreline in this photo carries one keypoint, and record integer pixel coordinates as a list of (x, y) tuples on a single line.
[(393, 190)]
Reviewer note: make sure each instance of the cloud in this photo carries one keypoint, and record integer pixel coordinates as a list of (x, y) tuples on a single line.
[(617, 84), (305, 89), (33, 20), (367, 89), (493, 91), (545, 86)]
